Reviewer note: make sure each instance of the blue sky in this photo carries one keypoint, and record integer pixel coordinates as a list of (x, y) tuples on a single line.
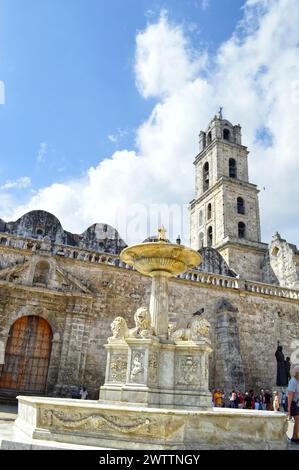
[(104, 102), (67, 66)]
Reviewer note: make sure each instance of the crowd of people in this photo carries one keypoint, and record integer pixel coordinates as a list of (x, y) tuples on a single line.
[(251, 400), (287, 401)]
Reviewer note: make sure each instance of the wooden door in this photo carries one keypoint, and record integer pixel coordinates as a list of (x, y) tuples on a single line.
[(27, 356)]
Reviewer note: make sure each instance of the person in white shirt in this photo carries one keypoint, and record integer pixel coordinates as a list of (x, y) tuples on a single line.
[(293, 403), (83, 393)]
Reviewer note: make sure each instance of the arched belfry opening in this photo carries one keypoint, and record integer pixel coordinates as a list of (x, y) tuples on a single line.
[(27, 357), (240, 205), (206, 176), (241, 230), (232, 168), (226, 134), (209, 211)]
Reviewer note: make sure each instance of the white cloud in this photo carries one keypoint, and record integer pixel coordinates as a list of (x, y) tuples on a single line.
[(205, 4), (112, 138), (20, 183), (165, 61), (254, 75), (42, 152), (116, 137)]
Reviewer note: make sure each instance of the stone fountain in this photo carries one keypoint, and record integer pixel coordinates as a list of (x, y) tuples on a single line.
[(156, 393), (147, 364)]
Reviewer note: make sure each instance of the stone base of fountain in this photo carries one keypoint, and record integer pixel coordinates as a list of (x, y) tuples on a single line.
[(154, 373), (155, 397), (126, 426)]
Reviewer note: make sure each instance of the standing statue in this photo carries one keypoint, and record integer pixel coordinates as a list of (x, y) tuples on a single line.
[(281, 377)]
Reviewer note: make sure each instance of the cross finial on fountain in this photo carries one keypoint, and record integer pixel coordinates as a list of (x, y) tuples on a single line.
[(161, 236)]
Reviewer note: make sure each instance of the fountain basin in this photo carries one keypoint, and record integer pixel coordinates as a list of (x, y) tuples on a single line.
[(153, 257), (130, 426)]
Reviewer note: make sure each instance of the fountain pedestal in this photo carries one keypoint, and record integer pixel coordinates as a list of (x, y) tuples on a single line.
[(159, 303), (158, 374)]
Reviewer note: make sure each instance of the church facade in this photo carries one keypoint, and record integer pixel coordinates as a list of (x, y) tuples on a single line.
[(60, 291)]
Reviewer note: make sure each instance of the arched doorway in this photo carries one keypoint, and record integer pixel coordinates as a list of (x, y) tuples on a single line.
[(27, 356)]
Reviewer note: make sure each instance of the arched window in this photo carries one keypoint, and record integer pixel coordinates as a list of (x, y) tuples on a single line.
[(209, 137), (209, 212), (232, 168), (226, 134), (200, 240), (206, 176), (200, 218), (41, 273), (240, 205), (210, 236), (241, 230)]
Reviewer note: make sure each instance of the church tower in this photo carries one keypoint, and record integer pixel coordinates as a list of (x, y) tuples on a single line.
[(225, 212)]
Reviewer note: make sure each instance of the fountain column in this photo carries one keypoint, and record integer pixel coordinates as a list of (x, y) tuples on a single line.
[(159, 303)]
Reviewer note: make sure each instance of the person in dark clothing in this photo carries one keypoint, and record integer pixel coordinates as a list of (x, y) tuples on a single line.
[(247, 401), (284, 401), (233, 401), (262, 399), (268, 398), (288, 368), (257, 403), (251, 393)]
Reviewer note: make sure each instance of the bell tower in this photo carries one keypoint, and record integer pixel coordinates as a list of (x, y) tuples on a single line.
[(225, 212)]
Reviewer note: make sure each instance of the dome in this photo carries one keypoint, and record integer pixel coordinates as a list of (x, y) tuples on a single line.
[(102, 237), (38, 224)]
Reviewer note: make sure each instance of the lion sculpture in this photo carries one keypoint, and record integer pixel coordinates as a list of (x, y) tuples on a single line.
[(119, 330), (143, 324), (199, 329)]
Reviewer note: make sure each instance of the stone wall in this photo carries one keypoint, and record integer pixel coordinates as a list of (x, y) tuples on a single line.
[(260, 321), (246, 261)]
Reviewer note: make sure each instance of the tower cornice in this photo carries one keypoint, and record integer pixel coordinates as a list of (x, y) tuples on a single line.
[(216, 142), (223, 179), (242, 245)]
